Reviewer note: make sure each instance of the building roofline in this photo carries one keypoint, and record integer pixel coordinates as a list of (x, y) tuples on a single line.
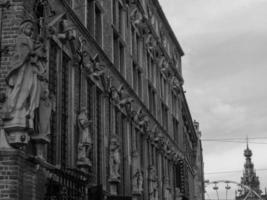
[(170, 30)]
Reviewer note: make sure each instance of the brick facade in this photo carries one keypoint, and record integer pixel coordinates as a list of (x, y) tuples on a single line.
[(141, 57)]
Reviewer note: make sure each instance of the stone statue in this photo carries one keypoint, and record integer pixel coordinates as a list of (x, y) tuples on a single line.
[(42, 120), (114, 160), (137, 182), (47, 105), (153, 183), (85, 139), (23, 80)]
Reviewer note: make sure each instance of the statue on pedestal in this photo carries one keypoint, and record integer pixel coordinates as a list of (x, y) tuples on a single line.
[(85, 140), (153, 183), (23, 81), (114, 160), (47, 106), (137, 182)]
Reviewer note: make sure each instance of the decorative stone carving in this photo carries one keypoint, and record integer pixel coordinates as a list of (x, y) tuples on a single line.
[(106, 83), (175, 84), (153, 183), (137, 182), (97, 69), (42, 10), (114, 160), (114, 95), (138, 20), (124, 97), (67, 30), (24, 85), (85, 140), (165, 68), (141, 119), (150, 43)]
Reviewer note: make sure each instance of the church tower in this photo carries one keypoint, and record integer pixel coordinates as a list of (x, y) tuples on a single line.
[(249, 178)]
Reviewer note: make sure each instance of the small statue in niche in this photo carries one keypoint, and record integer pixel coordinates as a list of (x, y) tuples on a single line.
[(114, 160), (85, 139), (153, 183), (137, 181), (42, 119)]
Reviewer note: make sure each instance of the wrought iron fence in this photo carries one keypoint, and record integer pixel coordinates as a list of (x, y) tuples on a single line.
[(66, 184)]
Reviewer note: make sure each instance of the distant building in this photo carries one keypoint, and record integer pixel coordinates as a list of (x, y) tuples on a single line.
[(199, 167), (249, 179)]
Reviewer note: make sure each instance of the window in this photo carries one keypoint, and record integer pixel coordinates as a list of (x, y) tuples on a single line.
[(134, 48), (164, 109), (163, 88), (174, 104), (121, 57), (118, 16), (98, 133), (137, 80), (64, 109), (53, 84), (152, 99), (118, 54), (59, 87), (94, 20), (139, 50), (98, 25), (175, 129)]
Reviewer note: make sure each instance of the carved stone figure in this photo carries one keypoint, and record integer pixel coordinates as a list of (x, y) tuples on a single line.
[(47, 105), (114, 160), (85, 139), (42, 119), (153, 183), (23, 80), (137, 182), (124, 96), (114, 95)]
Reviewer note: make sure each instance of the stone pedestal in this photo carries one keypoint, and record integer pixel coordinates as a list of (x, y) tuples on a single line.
[(113, 184)]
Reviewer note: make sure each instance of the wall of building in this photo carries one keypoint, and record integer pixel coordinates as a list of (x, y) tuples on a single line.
[(123, 65)]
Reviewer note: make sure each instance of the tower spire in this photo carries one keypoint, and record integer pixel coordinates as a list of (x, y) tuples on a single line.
[(247, 142)]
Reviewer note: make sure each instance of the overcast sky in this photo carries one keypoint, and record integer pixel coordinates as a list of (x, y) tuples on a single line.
[(225, 70)]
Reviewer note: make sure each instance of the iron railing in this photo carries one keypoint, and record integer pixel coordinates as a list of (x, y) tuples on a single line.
[(66, 184)]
